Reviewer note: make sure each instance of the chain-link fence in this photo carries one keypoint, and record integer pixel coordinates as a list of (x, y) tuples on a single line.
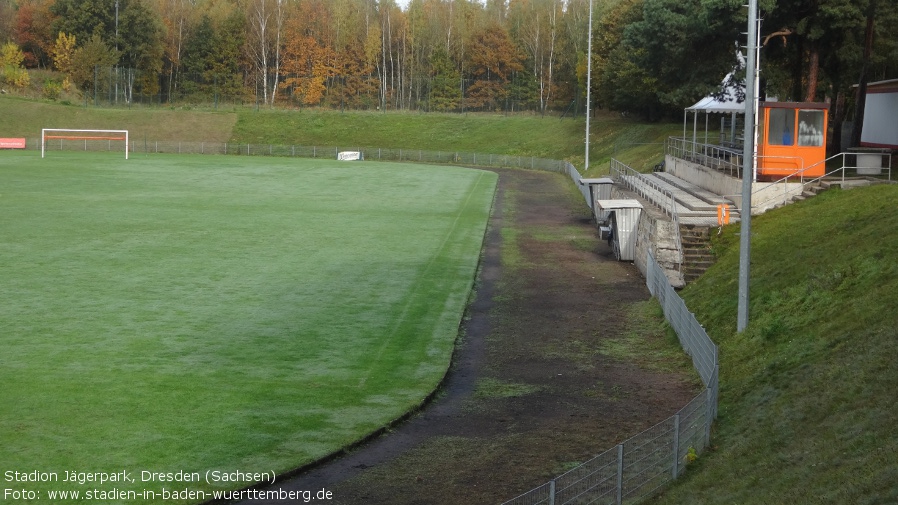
[(641, 465)]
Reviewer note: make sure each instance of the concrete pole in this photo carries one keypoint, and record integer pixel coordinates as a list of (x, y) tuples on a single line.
[(748, 159)]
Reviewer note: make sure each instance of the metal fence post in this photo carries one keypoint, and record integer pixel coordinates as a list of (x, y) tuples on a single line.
[(620, 474), (676, 446), (552, 492), (708, 417)]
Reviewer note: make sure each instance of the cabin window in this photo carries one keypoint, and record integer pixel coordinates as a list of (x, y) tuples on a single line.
[(781, 127), (810, 128)]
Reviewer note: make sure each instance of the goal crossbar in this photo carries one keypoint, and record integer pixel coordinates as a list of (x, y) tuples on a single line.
[(82, 137), (69, 134)]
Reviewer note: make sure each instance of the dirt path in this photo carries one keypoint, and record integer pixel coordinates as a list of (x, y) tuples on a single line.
[(536, 385)]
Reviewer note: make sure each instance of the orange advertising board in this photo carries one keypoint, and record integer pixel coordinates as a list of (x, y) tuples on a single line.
[(10, 143)]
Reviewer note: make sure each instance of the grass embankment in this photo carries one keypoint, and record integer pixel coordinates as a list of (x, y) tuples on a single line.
[(630, 141), (222, 313), (635, 143), (807, 397), (26, 118)]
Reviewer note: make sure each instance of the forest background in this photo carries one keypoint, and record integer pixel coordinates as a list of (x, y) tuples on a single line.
[(651, 58)]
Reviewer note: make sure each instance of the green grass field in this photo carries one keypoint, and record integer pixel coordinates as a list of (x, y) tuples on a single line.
[(207, 312)]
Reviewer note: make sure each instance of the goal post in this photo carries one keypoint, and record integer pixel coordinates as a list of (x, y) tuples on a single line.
[(85, 135)]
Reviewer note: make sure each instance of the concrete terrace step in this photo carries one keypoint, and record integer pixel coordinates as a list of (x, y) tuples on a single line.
[(693, 205), (709, 198)]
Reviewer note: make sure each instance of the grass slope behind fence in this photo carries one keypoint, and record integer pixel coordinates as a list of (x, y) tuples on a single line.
[(199, 313)]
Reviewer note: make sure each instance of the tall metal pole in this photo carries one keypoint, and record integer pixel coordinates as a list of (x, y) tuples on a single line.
[(748, 160), (588, 84), (116, 50)]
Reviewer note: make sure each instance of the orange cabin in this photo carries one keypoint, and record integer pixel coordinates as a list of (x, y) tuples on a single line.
[(791, 139)]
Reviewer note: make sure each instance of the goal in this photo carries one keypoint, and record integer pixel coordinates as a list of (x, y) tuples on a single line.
[(51, 134)]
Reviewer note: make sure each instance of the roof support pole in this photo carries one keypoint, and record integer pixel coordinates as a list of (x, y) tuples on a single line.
[(694, 131), (685, 117), (733, 130), (707, 119)]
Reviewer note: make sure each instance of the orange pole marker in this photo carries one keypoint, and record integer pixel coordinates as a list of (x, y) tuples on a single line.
[(723, 214)]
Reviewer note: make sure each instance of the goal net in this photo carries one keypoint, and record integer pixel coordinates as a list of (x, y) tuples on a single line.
[(86, 140)]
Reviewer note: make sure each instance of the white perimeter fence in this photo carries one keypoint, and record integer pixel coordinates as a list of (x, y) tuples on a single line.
[(412, 155), (632, 470)]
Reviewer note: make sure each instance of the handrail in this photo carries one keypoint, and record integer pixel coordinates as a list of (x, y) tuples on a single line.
[(720, 157), (622, 170), (784, 180)]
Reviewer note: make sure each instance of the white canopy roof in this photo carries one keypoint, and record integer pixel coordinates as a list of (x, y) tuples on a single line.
[(728, 100), (710, 104)]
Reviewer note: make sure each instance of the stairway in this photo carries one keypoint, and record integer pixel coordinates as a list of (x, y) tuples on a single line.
[(697, 256), (808, 191)]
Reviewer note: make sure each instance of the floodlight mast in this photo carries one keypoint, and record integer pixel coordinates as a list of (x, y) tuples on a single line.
[(748, 160), (588, 84)]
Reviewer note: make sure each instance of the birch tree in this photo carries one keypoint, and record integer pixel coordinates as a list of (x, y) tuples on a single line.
[(535, 23), (259, 44)]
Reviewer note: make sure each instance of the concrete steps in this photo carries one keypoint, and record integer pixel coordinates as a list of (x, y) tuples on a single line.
[(809, 191), (693, 205), (697, 256)]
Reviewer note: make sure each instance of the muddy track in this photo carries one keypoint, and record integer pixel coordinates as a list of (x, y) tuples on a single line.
[(531, 390)]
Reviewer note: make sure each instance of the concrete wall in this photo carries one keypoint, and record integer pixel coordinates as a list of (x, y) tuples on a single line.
[(657, 234)]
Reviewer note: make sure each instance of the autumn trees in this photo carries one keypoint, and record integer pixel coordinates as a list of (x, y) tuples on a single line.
[(651, 57)]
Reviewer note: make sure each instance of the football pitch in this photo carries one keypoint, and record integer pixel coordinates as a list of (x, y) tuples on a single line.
[(243, 315)]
